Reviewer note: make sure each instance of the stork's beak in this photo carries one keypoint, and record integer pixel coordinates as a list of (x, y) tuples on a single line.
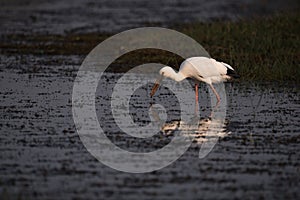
[(156, 86)]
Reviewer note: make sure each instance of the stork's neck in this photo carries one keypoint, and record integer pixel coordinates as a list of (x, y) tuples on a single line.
[(176, 76)]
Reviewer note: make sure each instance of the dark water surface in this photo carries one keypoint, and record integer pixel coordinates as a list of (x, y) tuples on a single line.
[(43, 16), (42, 157)]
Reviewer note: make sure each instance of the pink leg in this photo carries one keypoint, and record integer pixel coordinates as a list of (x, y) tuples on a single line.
[(196, 93), (215, 92), (196, 98)]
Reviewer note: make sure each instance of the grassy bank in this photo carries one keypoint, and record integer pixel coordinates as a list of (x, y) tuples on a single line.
[(260, 49), (264, 49)]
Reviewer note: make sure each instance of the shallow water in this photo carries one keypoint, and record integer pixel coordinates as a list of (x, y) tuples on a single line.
[(43, 16), (42, 156)]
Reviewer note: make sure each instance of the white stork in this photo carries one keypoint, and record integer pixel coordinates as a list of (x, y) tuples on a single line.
[(203, 69)]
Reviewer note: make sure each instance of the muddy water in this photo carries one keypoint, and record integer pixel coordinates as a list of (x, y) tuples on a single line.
[(42, 157)]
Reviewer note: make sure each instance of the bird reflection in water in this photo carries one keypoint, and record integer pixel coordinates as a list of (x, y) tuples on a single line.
[(208, 128)]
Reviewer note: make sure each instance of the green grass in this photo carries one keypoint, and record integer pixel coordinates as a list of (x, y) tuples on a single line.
[(264, 49), (261, 49)]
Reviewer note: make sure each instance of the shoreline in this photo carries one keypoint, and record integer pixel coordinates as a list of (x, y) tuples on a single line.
[(261, 49)]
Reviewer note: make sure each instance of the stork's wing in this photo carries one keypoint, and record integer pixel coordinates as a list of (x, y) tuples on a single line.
[(201, 66)]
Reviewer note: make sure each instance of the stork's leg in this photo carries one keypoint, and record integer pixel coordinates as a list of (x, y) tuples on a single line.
[(196, 98), (196, 93), (215, 92)]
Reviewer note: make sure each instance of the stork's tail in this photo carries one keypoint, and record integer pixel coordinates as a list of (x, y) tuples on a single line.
[(232, 73)]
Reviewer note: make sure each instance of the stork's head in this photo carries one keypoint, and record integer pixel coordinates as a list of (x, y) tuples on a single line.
[(162, 73), (167, 72)]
